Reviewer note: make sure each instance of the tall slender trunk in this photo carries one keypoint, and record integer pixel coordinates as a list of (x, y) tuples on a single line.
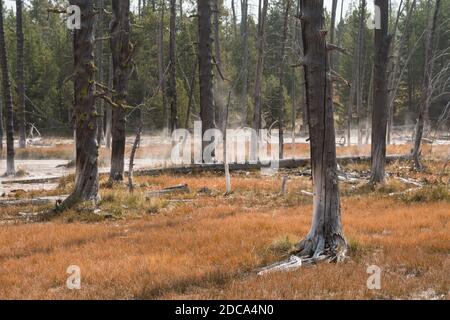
[(332, 27), (121, 58), (86, 173), (205, 66), (100, 102), (108, 120), (380, 99), (162, 81), (20, 75), (245, 57), (7, 100), (233, 10), (219, 90), (423, 119), (172, 87), (360, 66), (281, 81), (1, 120), (325, 236)]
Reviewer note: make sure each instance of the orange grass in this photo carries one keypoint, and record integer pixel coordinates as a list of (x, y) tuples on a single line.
[(208, 246)]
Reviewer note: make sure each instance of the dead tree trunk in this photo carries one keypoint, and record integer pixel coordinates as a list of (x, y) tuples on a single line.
[(219, 91), (332, 28), (7, 100), (281, 81), (325, 237), (85, 116), (205, 66), (161, 68), (257, 96), (380, 103), (245, 57), (20, 75), (1, 120), (100, 76), (108, 120), (121, 58), (172, 87), (422, 120), (360, 73)]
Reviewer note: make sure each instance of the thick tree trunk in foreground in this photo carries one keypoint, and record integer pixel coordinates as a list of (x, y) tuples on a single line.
[(121, 58), (20, 75), (422, 120), (380, 96), (7, 100), (172, 88), (325, 236), (86, 174), (205, 66)]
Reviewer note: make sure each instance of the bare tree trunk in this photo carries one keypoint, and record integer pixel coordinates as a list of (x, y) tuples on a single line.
[(325, 236), (380, 103), (261, 40), (233, 10), (161, 75), (121, 58), (281, 81), (7, 100), (369, 105), (205, 66), (108, 121), (86, 174), (423, 120), (219, 91), (172, 87), (20, 75), (332, 28), (245, 56), (100, 102), (1, 120), (360, 73), (191, 94)]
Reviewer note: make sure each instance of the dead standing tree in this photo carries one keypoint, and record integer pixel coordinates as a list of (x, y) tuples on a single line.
[(172, 85), (85, 114), (7, 100), (325, 238), (121, 59), (427, 89), (20, 88), (380, 94), (205, 66)]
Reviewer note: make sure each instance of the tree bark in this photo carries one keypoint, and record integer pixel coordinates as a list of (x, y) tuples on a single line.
[(281, 81), (325, 236), (219, 90), (380, 96), (100, 102), (332, 28), (261, 41), (423, 120), (360, 73), (121, 58), (172, 87), (162, 81), (245, 57), (86, 173), (7, 100), (108, 120), (20, 75), (205, 66)]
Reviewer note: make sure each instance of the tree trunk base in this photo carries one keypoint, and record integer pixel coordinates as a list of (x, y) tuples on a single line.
[(316, 248)]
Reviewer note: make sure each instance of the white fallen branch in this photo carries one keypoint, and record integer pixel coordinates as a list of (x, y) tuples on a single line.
[(292, 264)]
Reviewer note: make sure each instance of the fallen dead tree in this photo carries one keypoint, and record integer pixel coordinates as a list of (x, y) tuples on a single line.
[(182, 188), (31, 202)]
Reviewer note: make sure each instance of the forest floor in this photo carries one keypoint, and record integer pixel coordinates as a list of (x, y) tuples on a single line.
[(202, 244)]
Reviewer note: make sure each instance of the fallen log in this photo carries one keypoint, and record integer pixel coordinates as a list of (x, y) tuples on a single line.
[(182, 188), (31, 202)]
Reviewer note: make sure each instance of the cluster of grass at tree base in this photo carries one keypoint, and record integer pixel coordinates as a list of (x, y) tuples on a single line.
[(205, 245)]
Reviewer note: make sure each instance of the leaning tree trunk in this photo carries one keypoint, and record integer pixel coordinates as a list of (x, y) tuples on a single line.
[(7, 100), (281, 82), (426, 88), (205, 66), (100, 102), (85, 115), (325, 236), (121, 58), (380, 96), (20, 75), (172, 87)]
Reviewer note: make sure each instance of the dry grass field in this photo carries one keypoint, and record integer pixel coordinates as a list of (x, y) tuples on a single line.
[(202, 244)]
